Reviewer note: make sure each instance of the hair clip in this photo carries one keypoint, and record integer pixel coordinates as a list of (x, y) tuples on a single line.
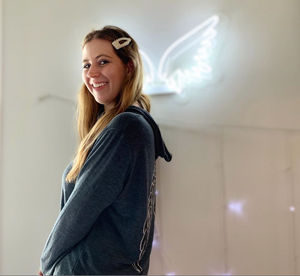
[(119, 45)]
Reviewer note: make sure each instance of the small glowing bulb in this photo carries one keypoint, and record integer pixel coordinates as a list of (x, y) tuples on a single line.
[(156, 192), (236, 207), (292, 209), (154, 243), (172, 273)]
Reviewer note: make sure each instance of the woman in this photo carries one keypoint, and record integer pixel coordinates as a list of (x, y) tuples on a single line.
[(107, 213)]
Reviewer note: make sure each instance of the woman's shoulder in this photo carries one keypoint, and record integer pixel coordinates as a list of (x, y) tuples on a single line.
[(131, 124)]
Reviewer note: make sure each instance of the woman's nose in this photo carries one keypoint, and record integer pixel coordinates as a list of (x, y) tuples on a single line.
[(93, 72)]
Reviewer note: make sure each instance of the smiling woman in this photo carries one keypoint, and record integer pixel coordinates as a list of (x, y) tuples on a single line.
[(107, 213), (104, 74)]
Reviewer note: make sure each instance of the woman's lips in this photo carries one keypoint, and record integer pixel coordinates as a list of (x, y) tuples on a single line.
[(99, 86)]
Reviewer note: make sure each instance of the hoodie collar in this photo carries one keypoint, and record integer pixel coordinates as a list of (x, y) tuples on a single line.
[(160, 147)]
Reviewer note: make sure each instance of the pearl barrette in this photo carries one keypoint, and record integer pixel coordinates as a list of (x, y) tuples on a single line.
[(119, 45)]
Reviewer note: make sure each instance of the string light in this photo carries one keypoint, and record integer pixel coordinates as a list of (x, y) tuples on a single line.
[(234, 207)]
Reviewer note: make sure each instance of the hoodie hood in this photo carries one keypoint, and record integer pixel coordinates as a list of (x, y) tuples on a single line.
[(160, 147)]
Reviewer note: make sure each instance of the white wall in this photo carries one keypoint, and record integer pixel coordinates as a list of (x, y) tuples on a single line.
[(1, 117), (214, 167), (234, 140)]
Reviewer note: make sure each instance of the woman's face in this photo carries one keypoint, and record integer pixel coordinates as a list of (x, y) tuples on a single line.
[(103, 71)]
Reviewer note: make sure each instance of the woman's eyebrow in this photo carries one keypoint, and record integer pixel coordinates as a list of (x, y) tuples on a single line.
[(101, 55)]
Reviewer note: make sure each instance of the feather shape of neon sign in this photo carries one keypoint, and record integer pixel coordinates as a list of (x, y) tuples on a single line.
[(167, 80)]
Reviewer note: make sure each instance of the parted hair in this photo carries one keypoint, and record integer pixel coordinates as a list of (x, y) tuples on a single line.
[(89, 125)]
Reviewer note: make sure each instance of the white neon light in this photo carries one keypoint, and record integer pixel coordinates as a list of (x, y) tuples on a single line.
[(164, 81), (150, 75)]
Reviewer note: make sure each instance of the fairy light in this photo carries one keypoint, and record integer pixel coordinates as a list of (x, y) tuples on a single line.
[(176, 82), (155, 243), (236, 207), (292, 209)]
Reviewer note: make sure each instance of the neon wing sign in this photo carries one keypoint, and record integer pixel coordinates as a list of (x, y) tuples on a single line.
[(167, 80)]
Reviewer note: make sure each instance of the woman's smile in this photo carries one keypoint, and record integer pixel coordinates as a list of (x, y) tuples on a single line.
[(99, 86)]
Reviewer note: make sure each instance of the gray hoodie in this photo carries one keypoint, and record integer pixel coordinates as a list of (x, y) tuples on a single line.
[(106, 222)]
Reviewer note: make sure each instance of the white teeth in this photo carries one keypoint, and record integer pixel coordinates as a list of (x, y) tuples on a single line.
[(99, 84)]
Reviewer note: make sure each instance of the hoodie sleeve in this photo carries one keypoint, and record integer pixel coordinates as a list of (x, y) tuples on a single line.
[(98, 184)]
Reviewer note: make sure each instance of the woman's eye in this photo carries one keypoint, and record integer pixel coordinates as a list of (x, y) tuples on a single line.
[(103, 62), (86, 66)]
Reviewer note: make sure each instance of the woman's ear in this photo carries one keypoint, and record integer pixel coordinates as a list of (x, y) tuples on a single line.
[(130, 66)]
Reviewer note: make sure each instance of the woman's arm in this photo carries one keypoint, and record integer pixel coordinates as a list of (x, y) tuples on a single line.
[(99, 183)]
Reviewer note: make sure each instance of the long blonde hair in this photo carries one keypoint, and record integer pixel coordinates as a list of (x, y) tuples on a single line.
[(89, 126)]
